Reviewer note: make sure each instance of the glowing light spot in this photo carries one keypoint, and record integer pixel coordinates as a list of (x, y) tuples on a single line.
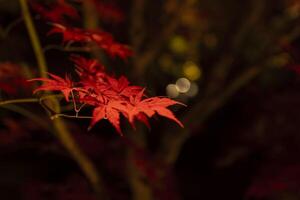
[(183, 85), (193, 91), (192, 71), (178, 44), (172, 91)]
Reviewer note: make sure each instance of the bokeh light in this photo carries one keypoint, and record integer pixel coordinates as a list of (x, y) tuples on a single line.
[(183, 85), (192, 71), (172, 91), (178, 44)]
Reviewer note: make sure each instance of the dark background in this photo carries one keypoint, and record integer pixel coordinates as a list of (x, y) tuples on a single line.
[(241, 136)]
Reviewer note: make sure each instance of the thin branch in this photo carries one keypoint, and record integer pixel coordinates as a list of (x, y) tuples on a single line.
[(17, 101), (70, 116), (34, 39)]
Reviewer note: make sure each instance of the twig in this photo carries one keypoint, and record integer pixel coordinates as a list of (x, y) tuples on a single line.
[(34, 39), (70, 116), (16, 101)]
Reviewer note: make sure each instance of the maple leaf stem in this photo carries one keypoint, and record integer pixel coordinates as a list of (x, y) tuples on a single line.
[(78, 110), (62, 132), (81, 107), (52, 47), (74, 103)]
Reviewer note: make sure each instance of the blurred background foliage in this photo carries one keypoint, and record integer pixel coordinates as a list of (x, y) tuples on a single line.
[(233, 63)]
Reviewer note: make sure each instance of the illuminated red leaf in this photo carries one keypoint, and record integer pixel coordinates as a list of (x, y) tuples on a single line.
[(111, 112), (102, 39), (70, 34), (55, 84), (56, 12), (152, 105)]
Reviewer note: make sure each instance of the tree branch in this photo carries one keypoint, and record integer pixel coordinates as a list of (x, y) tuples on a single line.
[(62, 133)]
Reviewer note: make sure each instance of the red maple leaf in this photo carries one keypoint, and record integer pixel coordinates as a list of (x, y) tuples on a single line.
[(70, 34), (90, 66), (55, 12), (111, 111), (119, 50), (102, 39), (55, 84), (107, 43), (122, 87), (150, 106)]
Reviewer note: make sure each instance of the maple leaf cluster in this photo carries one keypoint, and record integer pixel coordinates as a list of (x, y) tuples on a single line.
[(109, 96), (57, 12)]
